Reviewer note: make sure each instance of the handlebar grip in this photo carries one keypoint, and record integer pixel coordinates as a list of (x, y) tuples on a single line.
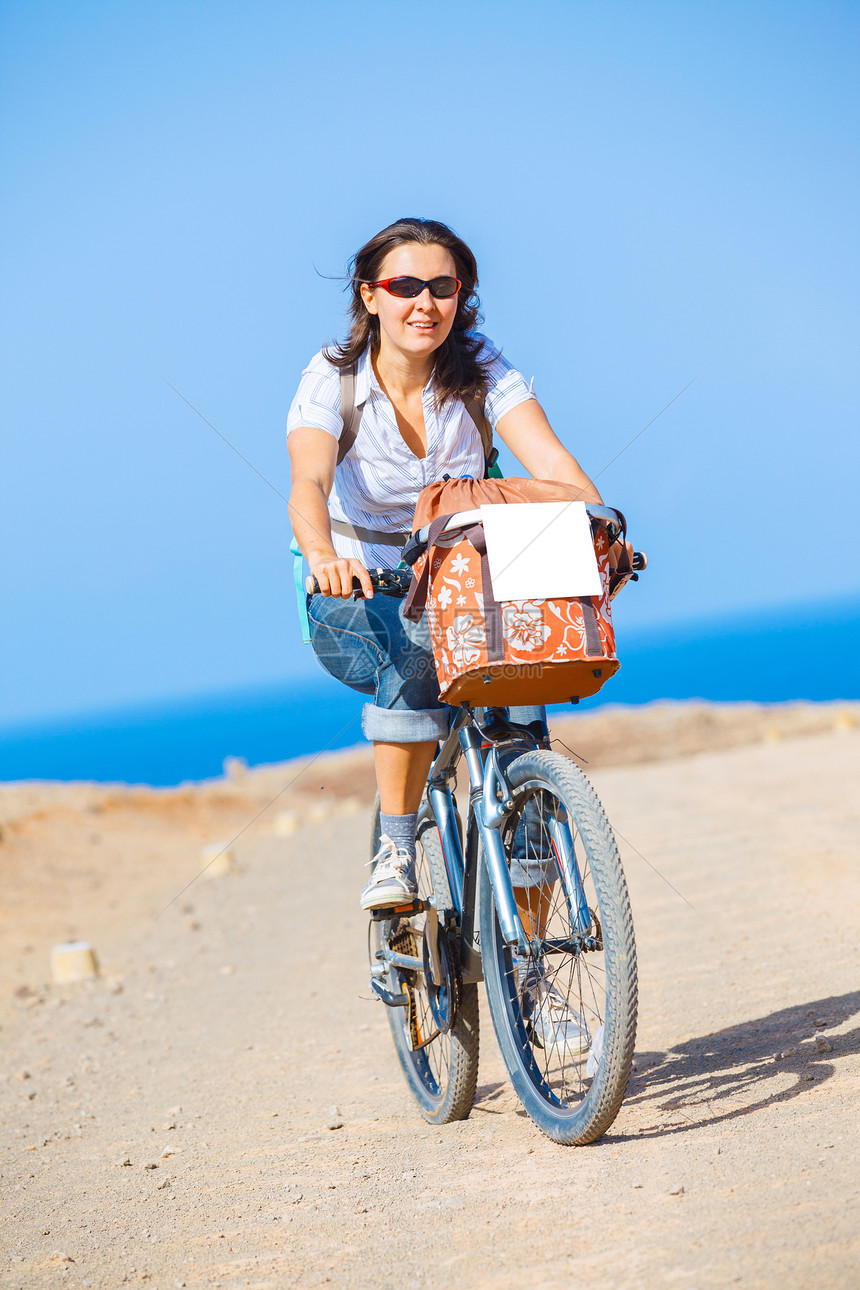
[(356, 585), (388, 582)]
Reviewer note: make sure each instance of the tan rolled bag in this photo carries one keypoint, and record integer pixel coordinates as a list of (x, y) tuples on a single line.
[(490, 652)]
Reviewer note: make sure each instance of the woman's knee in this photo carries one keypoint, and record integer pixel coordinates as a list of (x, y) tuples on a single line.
[(343, 649)]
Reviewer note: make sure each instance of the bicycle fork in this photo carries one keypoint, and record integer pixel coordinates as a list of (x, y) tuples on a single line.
[(491, 799)]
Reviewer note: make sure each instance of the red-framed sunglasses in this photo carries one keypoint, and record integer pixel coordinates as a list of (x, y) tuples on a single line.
[(408, 288)]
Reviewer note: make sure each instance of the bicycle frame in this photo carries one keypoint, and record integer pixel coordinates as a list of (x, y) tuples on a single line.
[(533, 828), (490, 800)]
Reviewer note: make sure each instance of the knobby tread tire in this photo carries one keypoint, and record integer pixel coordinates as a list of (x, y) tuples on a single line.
[(593, 1116)]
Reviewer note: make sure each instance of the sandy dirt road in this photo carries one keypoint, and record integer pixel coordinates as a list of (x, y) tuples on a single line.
[(166, 1124)]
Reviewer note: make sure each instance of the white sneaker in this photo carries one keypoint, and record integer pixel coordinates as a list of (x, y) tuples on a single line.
[(554, 1024), (393, 879)]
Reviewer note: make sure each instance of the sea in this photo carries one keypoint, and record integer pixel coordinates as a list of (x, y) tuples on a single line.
[(809, 652)]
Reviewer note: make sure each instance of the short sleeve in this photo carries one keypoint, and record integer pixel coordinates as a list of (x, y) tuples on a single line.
[(317, 401), (506, 387)]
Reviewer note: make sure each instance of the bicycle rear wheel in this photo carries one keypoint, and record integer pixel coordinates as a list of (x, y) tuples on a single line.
[(565, 1018), (440, 1066)]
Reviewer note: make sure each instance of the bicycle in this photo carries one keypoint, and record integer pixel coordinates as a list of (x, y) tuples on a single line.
[(532, 807)]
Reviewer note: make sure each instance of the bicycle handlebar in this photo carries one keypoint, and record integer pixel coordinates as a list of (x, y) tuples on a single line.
[(395, 582)]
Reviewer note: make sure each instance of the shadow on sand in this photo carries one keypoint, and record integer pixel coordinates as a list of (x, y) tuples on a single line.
[(743, 1068), (732, 1072)]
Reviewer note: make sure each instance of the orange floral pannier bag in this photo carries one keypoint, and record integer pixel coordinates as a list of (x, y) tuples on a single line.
[(496, 653)]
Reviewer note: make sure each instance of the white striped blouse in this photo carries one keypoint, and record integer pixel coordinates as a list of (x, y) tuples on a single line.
[(376, 486)]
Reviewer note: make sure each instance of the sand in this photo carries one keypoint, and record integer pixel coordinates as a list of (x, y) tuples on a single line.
[(165, 1124)]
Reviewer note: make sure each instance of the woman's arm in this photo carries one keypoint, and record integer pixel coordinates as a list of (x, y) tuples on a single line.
[(532, 440), (313, 457)]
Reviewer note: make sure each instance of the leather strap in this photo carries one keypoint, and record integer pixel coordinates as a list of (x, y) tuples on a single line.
[(369, 535), (492, 609), (416, 601), (593, 643)]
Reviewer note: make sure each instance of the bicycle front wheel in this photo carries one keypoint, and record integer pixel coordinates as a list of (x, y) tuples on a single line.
[(565, 1016), (439, 1061)]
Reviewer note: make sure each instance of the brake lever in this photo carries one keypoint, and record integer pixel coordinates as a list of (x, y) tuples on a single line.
[(638, 563)]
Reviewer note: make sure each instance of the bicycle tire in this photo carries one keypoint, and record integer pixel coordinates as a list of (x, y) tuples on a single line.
[(573, 1097), (443, 1076)]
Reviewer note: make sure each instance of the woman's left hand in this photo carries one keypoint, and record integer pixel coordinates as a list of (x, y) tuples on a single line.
[(615, 554)]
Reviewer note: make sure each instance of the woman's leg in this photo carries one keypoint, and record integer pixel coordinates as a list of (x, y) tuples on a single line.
[(533, 906), (369, 646), (405, 723), (535, 718), (401, 773), (374, 650)]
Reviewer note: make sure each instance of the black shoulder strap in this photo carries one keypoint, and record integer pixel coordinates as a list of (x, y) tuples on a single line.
[(349, 412)]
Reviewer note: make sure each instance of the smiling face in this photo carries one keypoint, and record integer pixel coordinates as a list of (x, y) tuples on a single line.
[(412, 328)]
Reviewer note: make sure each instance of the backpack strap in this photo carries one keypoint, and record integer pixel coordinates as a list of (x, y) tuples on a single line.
[(369, 535), (474, 405), (350, 414), (351, 417)]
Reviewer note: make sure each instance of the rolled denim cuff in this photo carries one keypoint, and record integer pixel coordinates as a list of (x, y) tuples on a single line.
[(400, 726), (533, 873)]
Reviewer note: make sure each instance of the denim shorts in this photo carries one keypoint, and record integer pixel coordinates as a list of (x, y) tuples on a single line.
[(373, 649)]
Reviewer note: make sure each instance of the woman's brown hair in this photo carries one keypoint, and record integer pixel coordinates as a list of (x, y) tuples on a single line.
[(460, 369)]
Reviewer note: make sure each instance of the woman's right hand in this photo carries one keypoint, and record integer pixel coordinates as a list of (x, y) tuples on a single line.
[(335, 576)]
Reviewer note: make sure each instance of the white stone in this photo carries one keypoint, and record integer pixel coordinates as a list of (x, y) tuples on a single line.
[(285, 823), (319, 811), (219, 859), (74, 961)]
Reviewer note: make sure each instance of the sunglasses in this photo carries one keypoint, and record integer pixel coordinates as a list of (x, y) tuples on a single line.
[(409, 288)]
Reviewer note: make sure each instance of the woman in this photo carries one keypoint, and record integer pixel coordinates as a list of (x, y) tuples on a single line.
[(417, 357)]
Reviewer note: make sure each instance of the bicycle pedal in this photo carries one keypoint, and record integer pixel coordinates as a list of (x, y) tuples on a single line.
[(390, 999), (390, 911)]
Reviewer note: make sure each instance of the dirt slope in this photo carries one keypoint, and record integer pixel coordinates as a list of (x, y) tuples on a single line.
[(166, 1125)]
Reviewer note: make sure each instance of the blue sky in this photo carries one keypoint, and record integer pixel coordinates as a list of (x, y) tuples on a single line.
[(655, 192)]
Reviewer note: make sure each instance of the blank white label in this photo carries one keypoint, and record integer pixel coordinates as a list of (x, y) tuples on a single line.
[(540, 549)]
